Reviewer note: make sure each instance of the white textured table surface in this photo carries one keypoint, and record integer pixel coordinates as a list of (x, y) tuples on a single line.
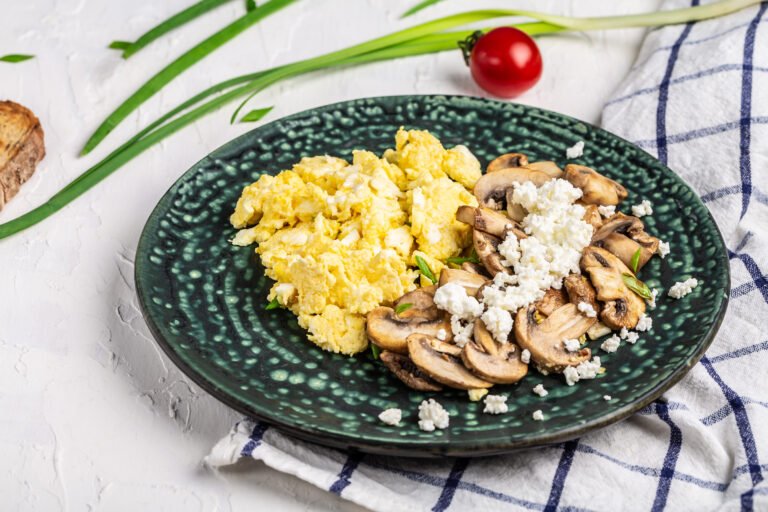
[(94, 416)]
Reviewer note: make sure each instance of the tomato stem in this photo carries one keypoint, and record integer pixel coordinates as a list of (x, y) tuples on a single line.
[(467, 44)]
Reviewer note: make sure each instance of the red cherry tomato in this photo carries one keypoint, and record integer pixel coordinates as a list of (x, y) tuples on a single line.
[(505, 62)]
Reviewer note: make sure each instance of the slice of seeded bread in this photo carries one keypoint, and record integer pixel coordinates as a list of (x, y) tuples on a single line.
[(21, 148)]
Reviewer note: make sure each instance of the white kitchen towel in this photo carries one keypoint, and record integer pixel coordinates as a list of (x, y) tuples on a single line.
[(698, 99)]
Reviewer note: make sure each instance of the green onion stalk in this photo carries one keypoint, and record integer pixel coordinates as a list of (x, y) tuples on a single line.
[(177, 20), (430, 37)]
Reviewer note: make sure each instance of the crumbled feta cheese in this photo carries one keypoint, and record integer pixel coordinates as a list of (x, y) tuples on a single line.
[(509, 250), (441, 334), (453, 298), (644, 208), (538, 415), (499, 323), (432, 415), (683, 288), (557, 235), (644, 324), (576, 150), (611, 344), (391, 416), (572, 345), (585, 370), (607, 398), (495, 404), (462, 331), (632, 338), (652, 302), (606, 210), (589, 369), (623, 333), (475, 395), (539, 390), (571, 375), (663, 249), (525, 356), (587, 309)]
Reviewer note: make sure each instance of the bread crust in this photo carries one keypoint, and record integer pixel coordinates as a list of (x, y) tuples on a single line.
[(22, 146)]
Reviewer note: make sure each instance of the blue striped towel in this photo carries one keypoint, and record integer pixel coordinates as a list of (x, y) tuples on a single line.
[(698, 99)]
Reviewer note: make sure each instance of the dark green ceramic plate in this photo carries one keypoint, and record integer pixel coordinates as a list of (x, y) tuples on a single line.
[(204, 298)]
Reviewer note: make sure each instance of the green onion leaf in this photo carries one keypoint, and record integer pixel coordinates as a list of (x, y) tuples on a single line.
[(637, 286), (375, 351), (194, 11), (250, 5), (424, 268), (178, 66), (419, 7), (273, 304), (120, 45), (636, 260), (403, 307), (460, 260), (255, 115), (14, 58), (418, 40)]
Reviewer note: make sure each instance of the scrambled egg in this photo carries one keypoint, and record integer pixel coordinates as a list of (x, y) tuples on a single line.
[(340, 239)]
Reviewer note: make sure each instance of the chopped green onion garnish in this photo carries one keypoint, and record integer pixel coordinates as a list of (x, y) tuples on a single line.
[(424, 268), (375, 351), (403, 307), (460, 260), (14, 58), (255, 115), (637, 286), (273, 304), (636, 260)]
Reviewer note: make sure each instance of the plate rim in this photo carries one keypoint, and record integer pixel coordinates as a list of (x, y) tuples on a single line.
[(439, 447)]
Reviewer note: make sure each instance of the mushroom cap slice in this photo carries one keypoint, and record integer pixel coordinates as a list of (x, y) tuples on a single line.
[(491, 189), (389, 331), (486, 248), (506, 161), (596, 188), (623, 235), (550, 168), (545, 340), (470, 281), (598, 331), (490, 221), (440, 361), (625, 249), (592, 216), (551, 301), (410, 374), (580, 290), (422, 301), (474, 268), (492, 361), (622, 307)]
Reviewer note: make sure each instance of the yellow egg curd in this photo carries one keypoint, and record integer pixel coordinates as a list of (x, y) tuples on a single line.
[(340, 239)]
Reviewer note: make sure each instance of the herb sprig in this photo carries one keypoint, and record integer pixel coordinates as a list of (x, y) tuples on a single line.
[(424, 268)]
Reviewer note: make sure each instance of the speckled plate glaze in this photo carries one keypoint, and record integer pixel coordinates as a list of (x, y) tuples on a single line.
[(204, 299)]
